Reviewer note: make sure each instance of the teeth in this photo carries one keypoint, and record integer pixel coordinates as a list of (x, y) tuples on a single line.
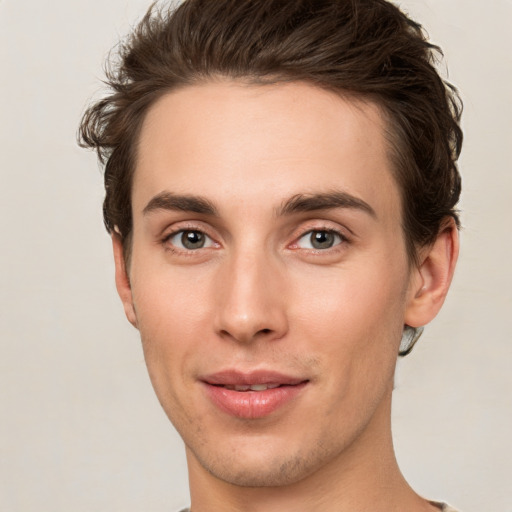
[(252, 387), (259, 387)]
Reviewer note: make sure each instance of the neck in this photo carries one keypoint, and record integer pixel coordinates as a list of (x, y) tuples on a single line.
[(365, 476)]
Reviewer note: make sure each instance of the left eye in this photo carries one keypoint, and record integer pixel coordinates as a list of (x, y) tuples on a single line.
[(190, 240), (319, 239)]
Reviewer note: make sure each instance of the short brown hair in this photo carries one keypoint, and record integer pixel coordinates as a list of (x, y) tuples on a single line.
[(367, 48)]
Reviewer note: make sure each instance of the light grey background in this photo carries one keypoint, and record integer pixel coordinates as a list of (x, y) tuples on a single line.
[(80, 428)]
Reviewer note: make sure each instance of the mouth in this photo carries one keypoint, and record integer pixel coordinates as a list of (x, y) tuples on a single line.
[(249, 387), (252, 395)]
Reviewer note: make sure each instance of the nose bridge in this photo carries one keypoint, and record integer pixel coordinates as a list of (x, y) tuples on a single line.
[(251, 296)]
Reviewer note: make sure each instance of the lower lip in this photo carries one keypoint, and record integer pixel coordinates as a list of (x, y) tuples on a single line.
[(252, 404)]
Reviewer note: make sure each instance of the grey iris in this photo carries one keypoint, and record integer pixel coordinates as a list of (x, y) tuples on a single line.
[(322, 239), (192, 239)]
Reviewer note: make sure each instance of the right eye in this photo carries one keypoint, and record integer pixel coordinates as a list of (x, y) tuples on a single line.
[(320, 239), (189, 240)]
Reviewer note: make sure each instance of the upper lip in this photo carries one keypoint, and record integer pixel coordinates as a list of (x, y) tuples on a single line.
[(239, 378)]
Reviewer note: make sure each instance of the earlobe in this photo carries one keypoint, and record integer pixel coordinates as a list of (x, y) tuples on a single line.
[(122, 280), (431, 280)]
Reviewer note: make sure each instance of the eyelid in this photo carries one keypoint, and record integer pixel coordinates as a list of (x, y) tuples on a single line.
[(344, 233), (180, 227), (340, 236), (209, 242)]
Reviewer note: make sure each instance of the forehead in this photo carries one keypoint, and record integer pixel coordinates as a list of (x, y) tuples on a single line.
[(230, 141)]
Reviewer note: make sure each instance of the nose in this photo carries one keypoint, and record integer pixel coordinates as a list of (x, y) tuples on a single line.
[(251, 299)]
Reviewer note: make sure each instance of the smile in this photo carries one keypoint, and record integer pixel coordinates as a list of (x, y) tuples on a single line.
[(253, 395), (252, 387)]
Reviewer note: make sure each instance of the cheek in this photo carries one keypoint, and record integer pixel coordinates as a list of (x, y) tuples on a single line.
[(353, 321), (173, 313), (167, 298), (171, 319), (350, 302)]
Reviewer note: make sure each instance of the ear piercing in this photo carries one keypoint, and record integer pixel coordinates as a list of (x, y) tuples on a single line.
[(409, 338)]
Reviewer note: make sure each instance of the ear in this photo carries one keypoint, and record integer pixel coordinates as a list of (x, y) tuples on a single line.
[(123, 280), (430, 281)]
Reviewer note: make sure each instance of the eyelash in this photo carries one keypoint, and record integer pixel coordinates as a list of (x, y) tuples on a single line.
[(190, 229), (343, 239)]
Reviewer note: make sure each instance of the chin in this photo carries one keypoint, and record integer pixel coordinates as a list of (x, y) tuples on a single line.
[(263, 469)]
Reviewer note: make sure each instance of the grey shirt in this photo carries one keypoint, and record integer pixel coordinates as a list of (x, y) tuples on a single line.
[(443, 506)]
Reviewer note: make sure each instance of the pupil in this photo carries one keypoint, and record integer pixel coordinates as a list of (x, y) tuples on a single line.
[(322, 239), (192, 239)]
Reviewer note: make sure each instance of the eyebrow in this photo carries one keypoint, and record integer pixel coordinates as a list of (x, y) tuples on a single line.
[(324, 201), (299, 203), (183, 203)]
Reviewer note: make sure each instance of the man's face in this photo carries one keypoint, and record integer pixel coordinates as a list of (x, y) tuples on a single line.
[(268, 251)]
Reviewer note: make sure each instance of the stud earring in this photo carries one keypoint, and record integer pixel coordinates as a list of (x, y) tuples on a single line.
[(409, 338)]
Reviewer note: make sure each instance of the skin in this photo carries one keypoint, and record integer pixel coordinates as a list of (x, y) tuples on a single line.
[(259, 295)]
